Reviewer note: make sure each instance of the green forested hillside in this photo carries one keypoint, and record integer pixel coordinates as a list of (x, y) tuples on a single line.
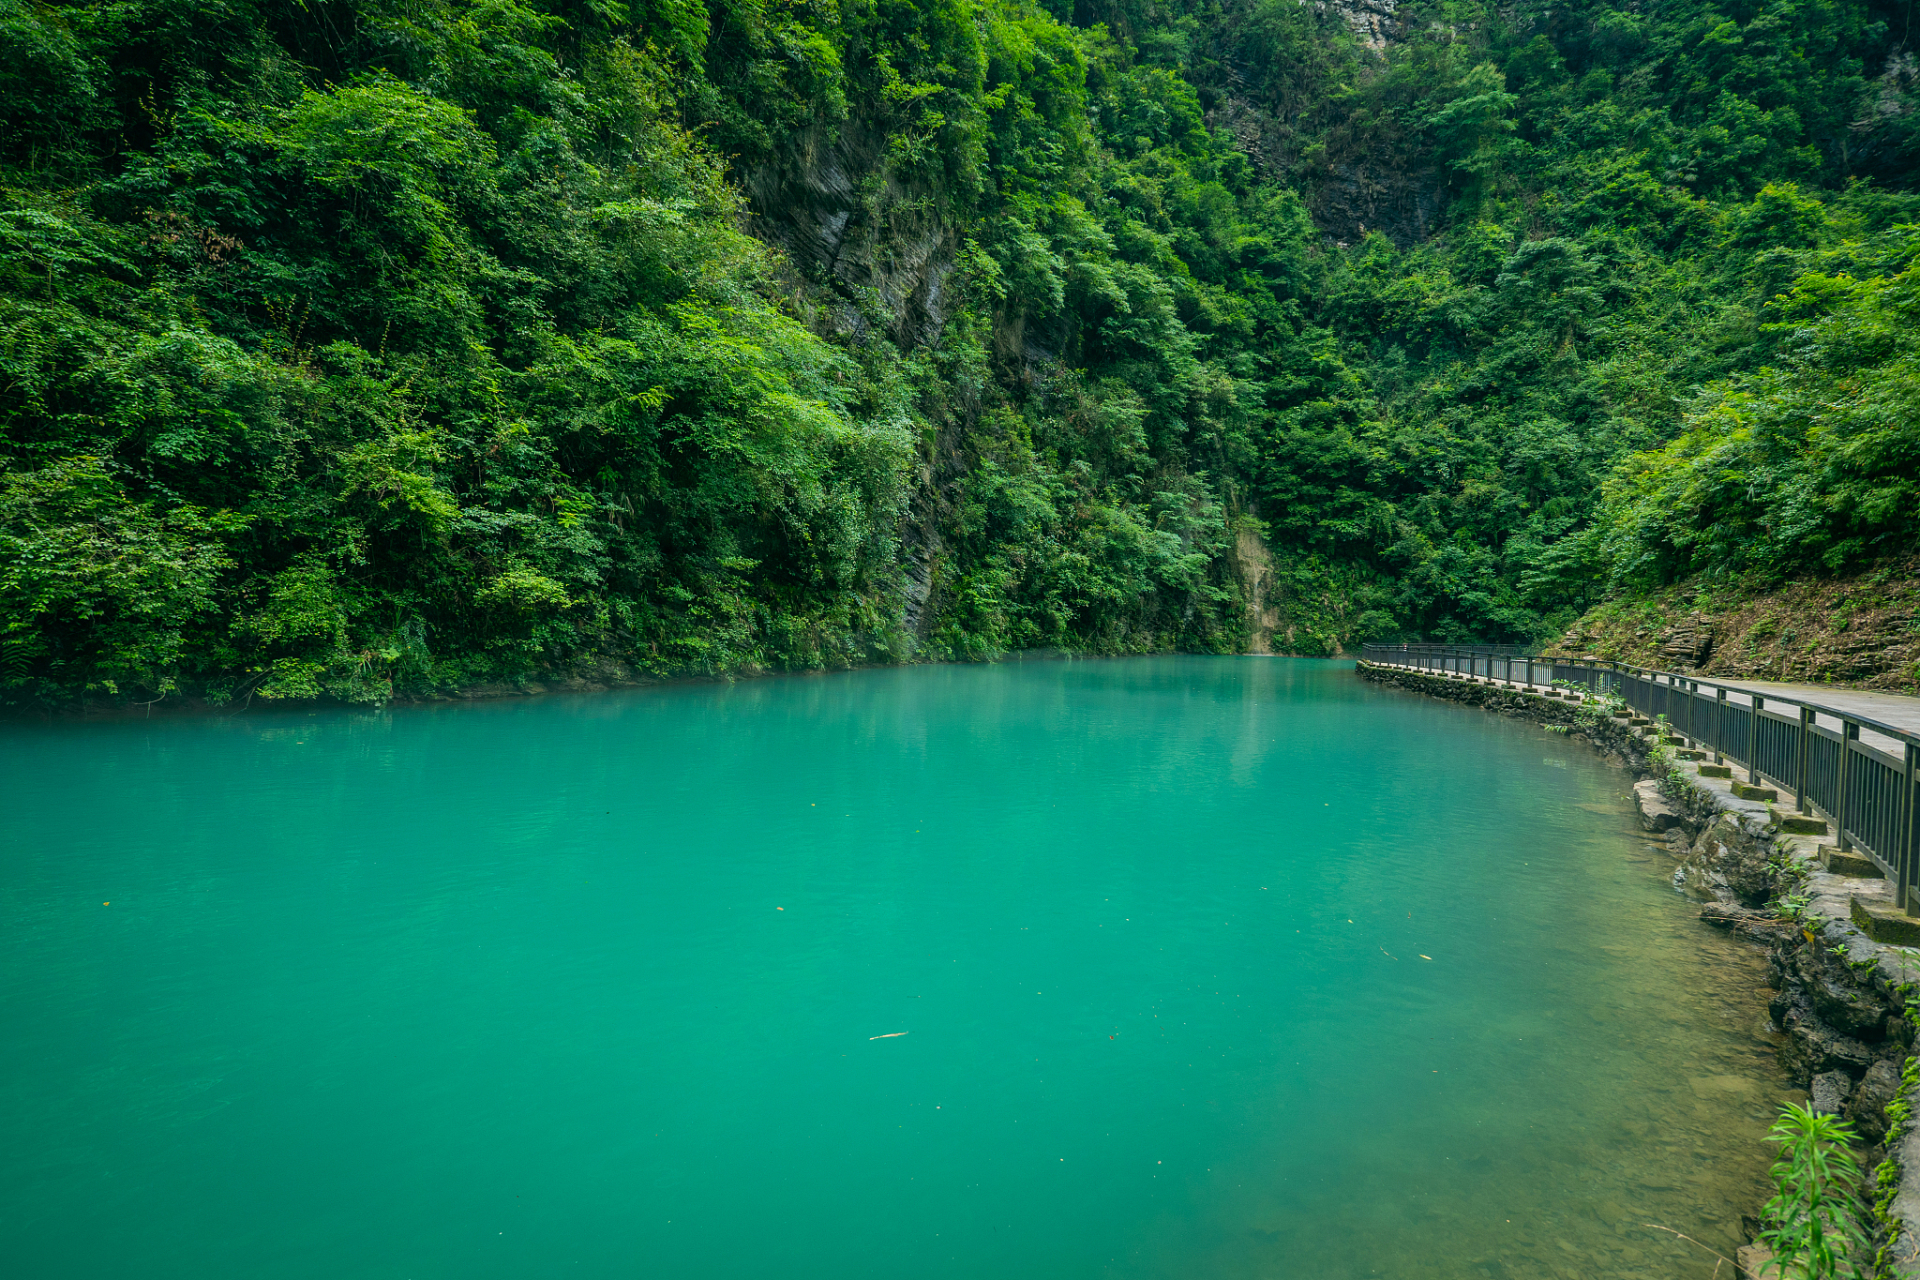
[(373, 348)]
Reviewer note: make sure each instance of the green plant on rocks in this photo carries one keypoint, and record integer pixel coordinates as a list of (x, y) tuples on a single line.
[(1813, 1230), (1599, 705), (1662, 763), (1793, 906)]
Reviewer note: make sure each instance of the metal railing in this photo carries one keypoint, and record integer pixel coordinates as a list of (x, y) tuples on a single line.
[(1867, 787)]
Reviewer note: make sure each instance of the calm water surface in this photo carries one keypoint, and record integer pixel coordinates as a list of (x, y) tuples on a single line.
[(1207, 968)]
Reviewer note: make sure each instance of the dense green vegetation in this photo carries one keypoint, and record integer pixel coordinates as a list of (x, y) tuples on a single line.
[(355, 347)]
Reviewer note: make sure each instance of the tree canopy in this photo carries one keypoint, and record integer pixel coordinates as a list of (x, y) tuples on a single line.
[(372, 347)]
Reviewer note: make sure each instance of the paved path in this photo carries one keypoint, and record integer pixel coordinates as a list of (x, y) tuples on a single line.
[(1896, 709)]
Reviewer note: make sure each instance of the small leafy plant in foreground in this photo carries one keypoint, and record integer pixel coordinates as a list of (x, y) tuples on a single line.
[(1813, 1232)]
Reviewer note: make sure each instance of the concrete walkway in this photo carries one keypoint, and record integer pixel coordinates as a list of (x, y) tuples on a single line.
[(1894, 709)]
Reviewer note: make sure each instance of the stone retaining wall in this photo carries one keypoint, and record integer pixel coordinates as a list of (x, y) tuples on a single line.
[(1842, 999)]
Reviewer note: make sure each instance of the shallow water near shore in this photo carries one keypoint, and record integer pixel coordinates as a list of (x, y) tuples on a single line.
[(1231, 967)]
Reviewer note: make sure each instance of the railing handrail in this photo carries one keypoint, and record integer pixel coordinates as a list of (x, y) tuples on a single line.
[(1610, 664)]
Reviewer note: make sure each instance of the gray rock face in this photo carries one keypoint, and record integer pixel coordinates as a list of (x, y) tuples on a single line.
[(1827, 989), (1867, 1108), (1687, 644), (1813, 1047), (1905, 1209), (1371, 20), (1831, 1089), (1727, 861), (1655, 813), (829, 199), (1847, 1008)]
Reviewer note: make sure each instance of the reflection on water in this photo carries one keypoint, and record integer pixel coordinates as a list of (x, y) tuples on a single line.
[(1209, 967)]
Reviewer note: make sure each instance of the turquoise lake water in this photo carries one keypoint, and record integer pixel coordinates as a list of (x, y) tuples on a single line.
[(1231, 967)]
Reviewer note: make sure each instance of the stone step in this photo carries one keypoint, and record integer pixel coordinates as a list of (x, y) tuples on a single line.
[(1884, 922), (1747, 791), (1673, 740), (1804, 824), (1716, 771), (1842, 862), (1691, 754), (1638, 721)]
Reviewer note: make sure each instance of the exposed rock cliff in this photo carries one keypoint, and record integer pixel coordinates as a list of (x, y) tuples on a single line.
[(1374, 21), (882, 248)]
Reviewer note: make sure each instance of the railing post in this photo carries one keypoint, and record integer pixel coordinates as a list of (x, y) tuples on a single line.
[(1908, 851), (1800, 763), (1529, 671), (1849, 731), (1720, 726), (1753, 739)]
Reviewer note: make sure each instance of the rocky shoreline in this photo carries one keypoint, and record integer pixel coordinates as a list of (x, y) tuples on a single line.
[(1841, 998)]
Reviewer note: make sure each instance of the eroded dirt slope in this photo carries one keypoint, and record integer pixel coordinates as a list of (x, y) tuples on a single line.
[(1862, 630)]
